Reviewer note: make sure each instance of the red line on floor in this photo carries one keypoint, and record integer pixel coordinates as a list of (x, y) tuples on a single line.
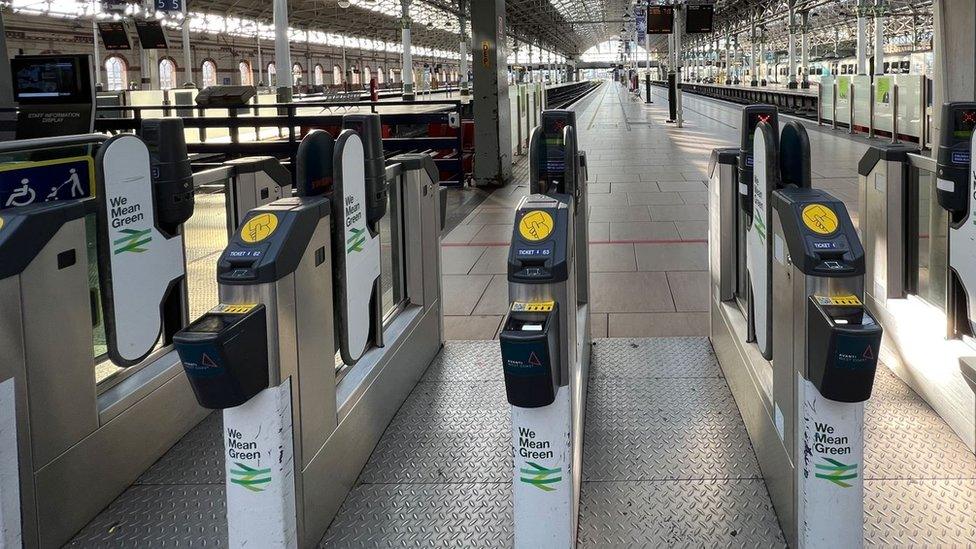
[(638, 241)]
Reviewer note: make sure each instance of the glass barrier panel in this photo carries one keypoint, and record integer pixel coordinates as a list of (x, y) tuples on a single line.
[(931, 255)]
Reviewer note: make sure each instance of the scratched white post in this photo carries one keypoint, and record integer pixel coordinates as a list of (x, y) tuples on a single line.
[(542, 487), (259, 463), (830, 470)]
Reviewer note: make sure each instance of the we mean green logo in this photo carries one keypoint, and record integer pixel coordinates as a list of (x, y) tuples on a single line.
[(837, 472), (253, 479), (133, 241), (355, 242), (540, 476)]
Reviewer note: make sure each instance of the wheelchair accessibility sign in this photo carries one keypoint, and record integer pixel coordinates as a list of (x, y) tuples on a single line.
[(25, 183)]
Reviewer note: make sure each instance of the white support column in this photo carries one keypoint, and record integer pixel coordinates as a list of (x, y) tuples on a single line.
[(260, 62), (96, 53), (679, 25), (805, 48), (187, 52), (149, 59), (862, 37), (282, 51), (791, 59), (879, 25), (753, 67), (465, 85), (407, 71)]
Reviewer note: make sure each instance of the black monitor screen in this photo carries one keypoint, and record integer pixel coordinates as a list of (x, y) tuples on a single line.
[(114, 36), (964, 121), (151, 35), (699, 18), (660, 19), (64, 79)]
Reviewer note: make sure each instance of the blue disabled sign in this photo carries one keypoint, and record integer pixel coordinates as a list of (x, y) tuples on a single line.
[(25, 183)]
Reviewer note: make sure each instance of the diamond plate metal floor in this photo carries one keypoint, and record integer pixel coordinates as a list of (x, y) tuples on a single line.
[(667, 462)]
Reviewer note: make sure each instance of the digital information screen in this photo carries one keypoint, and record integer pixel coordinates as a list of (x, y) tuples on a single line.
[(699, 18), (964, 121), (151, 35), (46, 78), (552, 139), (660, 19), (114, 35)]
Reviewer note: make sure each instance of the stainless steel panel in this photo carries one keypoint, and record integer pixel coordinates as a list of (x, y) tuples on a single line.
[(58, 341), (722, 241), (81, 482), (314, 394), (333, 472)]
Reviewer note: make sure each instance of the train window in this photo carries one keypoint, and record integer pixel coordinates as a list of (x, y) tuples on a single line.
[(906, 67), (887, 68)]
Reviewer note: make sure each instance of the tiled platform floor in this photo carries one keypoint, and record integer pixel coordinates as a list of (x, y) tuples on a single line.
[(648, 218)]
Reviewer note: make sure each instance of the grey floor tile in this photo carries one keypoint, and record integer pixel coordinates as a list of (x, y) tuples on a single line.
[(678, 213), (598, 325), (462, 234), (459, 259), (493, 234), (646, 199), (493, 261), (682, 186), (642, 187), (692, 230), (471, 327), (499, 217), (657, 324), (462, 292), (494, 301), (612, 257), (678, 256), (619, 213), (634, 292), (689, 289), (694, 197), (599, 232), (643, 230), (608, 200)]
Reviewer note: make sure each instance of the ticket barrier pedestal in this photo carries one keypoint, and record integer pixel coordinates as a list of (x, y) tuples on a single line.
[(544, 380), (824, 360), (296, 288)]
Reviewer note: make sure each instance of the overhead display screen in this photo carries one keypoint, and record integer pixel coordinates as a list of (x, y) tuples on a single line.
[(151, 35), (699, 18), (660, 19), (114, 36)]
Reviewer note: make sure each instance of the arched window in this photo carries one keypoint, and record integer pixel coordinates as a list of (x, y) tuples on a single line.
[(115, 73), (337, 75), (356, 77), (296, 74), (167, 74), (208, 73), (319, 76), (393, 77), (367, 74), (379, 75), (247, 77), (272, 75)]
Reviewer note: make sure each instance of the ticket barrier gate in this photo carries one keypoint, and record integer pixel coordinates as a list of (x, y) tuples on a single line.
[(545, 338), (88, 244), (297, 286), (804, 409)]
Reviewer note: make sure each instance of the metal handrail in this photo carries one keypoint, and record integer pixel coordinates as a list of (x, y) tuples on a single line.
[(26, 145)]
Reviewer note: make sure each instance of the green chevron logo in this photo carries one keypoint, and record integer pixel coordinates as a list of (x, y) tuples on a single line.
[(540, 476), (355, 242), (837, 472), (250, 478), (133, 241), (760, 225)]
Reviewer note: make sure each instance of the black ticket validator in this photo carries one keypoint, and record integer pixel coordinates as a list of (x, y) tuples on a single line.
[(953, 161), (225, 355), (530, 355), (752, 115)]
